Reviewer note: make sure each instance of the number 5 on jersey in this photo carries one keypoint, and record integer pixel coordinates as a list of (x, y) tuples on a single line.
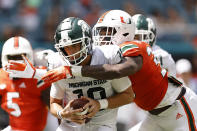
[(11, 105)]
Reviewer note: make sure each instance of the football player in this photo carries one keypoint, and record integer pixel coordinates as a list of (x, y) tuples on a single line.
[(146, 32), (169, 104), (22, 98), (73, 40)]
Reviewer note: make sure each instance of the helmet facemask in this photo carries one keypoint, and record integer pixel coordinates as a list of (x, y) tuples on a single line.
[(144, 35), (104, 35), (79, 56)]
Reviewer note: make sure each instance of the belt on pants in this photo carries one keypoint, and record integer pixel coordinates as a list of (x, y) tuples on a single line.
[(162, 109)]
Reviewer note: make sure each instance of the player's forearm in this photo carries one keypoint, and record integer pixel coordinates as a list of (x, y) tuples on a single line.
[(121, 99), (128, 66), (55, 107), (105, 72)]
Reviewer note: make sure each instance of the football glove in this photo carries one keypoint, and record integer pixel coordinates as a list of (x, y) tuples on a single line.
[(24, 69), (62, 72)]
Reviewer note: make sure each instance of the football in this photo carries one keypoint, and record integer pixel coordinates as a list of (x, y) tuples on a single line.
[(80, 103)]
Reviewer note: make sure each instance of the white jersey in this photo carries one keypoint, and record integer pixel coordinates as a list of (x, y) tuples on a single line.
[(165, 59), (93, 88)]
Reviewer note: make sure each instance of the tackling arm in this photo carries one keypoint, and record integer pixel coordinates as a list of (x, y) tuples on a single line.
[(121, 99), (128, 66)]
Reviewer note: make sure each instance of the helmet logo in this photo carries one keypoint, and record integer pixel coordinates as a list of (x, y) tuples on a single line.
[(122, 19), (84, 26)]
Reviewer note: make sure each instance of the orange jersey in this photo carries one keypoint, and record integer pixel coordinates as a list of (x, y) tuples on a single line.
[(21, 98), (150, 83)]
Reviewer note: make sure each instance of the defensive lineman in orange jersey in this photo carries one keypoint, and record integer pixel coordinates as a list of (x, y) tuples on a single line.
[(21, 97), (170, 106)]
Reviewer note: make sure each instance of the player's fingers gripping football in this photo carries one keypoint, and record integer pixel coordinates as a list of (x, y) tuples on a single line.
[(59, 73), (93, 106), (68, 112)]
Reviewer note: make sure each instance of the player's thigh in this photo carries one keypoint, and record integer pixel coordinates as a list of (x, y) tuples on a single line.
[(146, 125)]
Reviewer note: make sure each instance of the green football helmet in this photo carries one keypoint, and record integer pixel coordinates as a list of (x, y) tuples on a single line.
[(145, 29), (73, 31)]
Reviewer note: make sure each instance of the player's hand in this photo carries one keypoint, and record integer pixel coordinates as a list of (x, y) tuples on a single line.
[(70, 114), (93, 105), (20, 69), (62, 72)]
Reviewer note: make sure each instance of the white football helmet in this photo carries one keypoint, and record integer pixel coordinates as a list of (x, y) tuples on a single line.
[(16, 46), (145, 29), (113, 27)]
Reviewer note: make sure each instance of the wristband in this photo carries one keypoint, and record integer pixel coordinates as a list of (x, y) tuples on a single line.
[(103, 103), (59, 114), (76, 70)]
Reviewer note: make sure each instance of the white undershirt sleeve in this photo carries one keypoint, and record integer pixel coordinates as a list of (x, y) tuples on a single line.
[(56, 91), (121, 84)]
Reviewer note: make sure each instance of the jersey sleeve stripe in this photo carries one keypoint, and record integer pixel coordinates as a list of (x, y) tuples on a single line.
[(125, 48)]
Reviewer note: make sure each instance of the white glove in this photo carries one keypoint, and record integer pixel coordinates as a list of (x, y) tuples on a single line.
[(23, 70)]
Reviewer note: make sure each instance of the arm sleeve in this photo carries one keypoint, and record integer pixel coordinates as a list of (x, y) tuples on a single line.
[(115, 55), (56, 91), (121, 84), (130, 50), (169, 64)]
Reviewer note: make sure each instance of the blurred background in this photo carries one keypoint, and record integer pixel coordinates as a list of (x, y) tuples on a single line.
[(37, 20), (176, 21)]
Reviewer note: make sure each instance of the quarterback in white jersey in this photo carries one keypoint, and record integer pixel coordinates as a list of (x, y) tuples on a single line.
[(108, 94), (96, 89)]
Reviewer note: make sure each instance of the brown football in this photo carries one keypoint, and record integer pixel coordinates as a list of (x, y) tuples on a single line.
[(80, 103)]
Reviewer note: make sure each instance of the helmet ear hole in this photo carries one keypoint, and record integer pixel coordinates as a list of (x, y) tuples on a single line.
[(125, 34)]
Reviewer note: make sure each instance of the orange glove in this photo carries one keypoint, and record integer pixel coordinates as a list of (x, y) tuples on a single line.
[(23, 69), (62, 72), (20, 69)]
